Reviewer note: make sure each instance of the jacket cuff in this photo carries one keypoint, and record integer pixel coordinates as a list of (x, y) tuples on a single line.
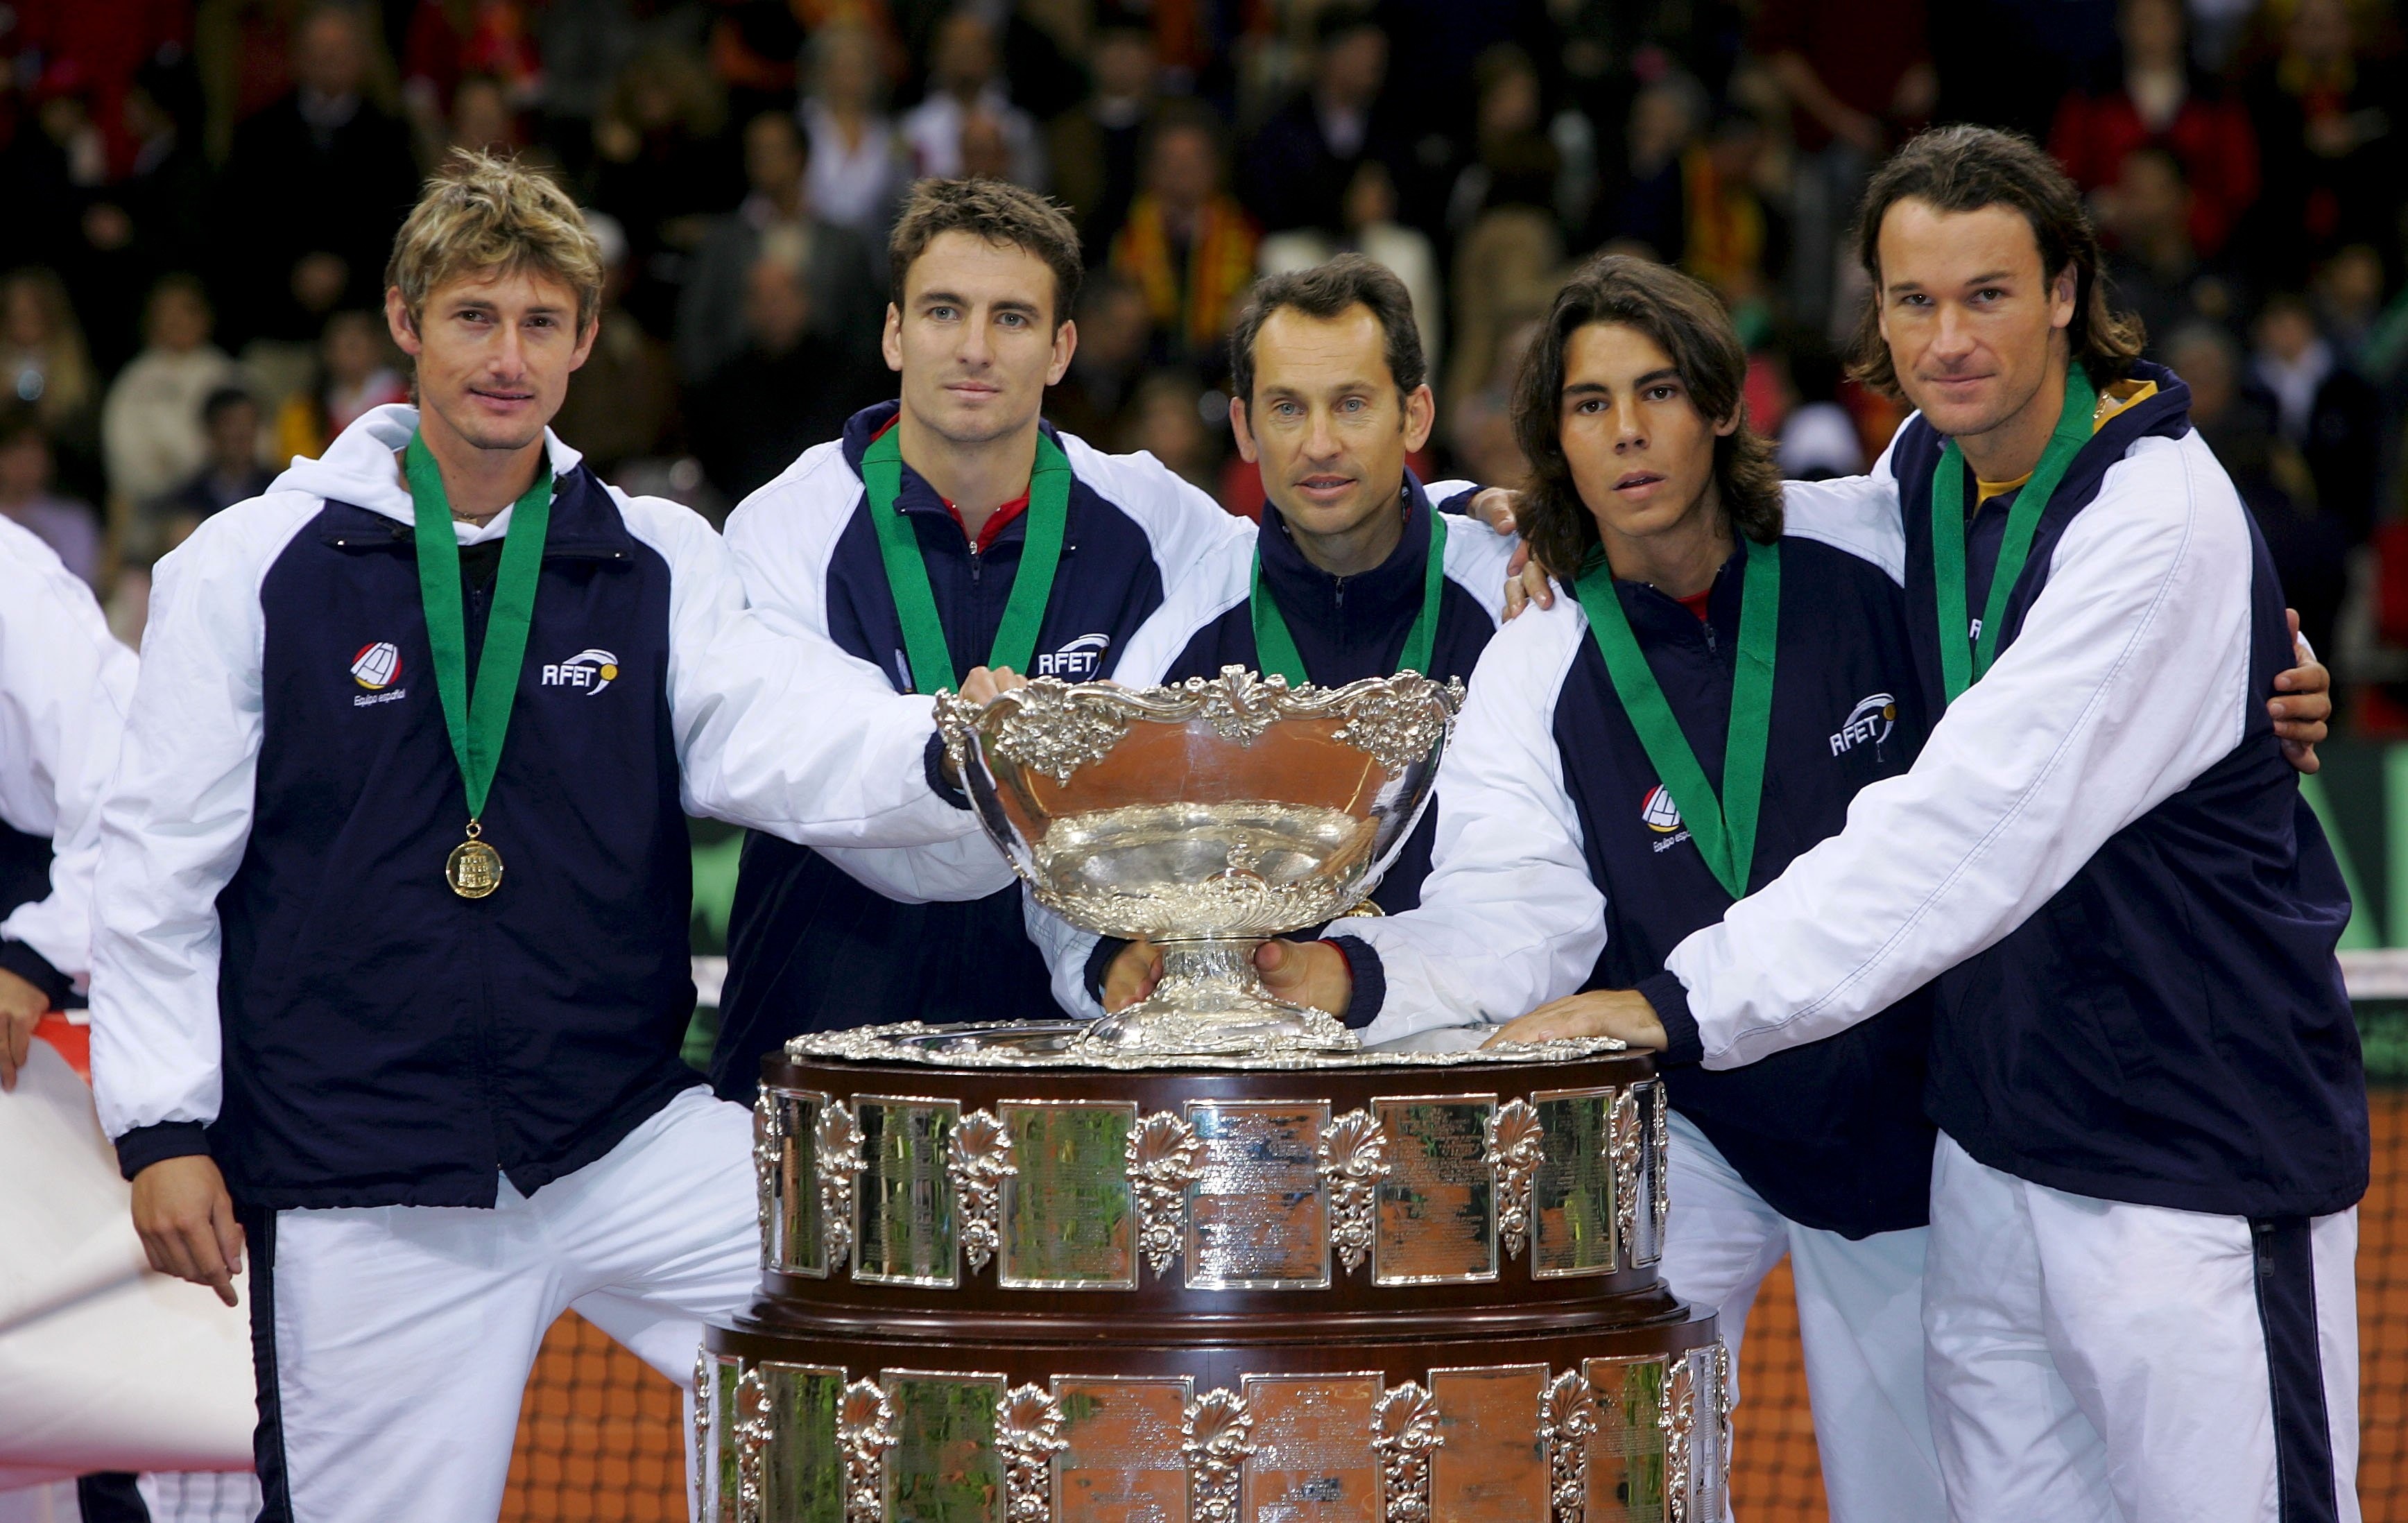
[(936, 765), (1100, 962), (1670, 998), (1370, 981), (1460, 504), (35, 969), (143, 1146)]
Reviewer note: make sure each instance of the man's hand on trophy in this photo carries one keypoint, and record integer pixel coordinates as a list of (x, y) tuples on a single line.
[(1132, 976), (1599, 1013), (187, 1224), (981, 686), (1307, 973)]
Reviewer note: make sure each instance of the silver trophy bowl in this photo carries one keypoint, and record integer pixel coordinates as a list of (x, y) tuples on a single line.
[(1206, 818)]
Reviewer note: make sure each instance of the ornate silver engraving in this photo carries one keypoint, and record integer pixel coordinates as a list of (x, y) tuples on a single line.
[(1404, 1432), (1052, 732), (1354, 1159), (1622, 1148), (1515, 1142), (978, 1157), (751, 1444), (1396, 731), (1660, 1167), (1029, 1430), (865, 1428), (1216, 1434), (837, 1158), (1165, 1157), (1041, 1045), (1679, 1420), (768, 1152), (1566, 1418), (705, 1367)]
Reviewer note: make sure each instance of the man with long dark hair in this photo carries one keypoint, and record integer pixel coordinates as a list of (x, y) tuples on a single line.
[(2145, 1068)]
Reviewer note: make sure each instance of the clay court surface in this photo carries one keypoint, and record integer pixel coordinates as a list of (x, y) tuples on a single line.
[(599, 1438)]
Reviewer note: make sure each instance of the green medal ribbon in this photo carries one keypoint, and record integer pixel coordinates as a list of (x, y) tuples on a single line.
[(477, 723), (907, 568), (1275, 647), (1723, 827), (1964, 657)]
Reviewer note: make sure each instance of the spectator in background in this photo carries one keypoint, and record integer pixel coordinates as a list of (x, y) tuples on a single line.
[(151, 426), (2160, 100), (622, 402), (1166, 420), (1299, 165), (166, 192), (1516, 162), (1371, 229), (1094, 148), (450, 43), (2330, 415), (1857, 75), (48, 169), (1113, 335), (772, 402), (664, 168), (44, 366), (965, 77), (315, 187), (482, 120), (355, 373), (1818, 440), (2329, 133), (2349, 291), (2310, 547), (1725, 230), (1188, 245), (986, 151), (848, 306), (1644, 203), (858, 164), (62, 524), (2153, 263), (230, 419)]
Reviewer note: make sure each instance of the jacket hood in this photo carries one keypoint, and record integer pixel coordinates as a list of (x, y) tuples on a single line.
[(359, 468)]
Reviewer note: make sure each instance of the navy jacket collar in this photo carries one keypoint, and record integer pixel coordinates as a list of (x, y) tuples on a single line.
[(1390, 590), (915, 495), (585, 523)]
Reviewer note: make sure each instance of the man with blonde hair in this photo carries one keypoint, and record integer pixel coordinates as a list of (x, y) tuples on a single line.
[(394, 1005)]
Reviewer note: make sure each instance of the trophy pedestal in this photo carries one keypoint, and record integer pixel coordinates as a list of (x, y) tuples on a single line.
[(1210, 999), (1010, 1280)]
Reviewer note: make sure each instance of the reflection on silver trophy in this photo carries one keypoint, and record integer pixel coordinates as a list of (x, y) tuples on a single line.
[(1206, 818)]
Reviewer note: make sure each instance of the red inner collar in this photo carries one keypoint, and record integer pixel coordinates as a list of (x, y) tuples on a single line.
[(997, 521)]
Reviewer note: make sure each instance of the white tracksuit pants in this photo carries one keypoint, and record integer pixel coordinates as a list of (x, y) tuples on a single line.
[(402, 1336), (2093, 1362), (1859, 1316)]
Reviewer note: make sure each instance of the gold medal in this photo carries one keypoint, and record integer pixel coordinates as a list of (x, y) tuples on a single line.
[(474, 868)]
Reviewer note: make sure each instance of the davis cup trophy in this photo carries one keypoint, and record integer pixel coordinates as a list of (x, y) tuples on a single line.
[(1207, 1261)]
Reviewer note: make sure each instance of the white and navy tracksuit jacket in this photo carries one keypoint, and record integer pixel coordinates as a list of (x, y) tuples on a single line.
[(65, 686), (1346, 629), (284, 979), (1562, 864), (821, 940)]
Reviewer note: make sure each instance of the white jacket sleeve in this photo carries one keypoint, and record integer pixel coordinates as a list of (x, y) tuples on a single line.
[(2128, 678), (1508, 917), (779, 730), (65, 684), (177, 817)]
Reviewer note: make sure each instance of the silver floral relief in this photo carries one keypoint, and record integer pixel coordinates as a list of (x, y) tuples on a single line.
[(1395, 729), (1404, 1433), (1164, 1157), (768, 1152), (704, 1368), (1055, 732), (1028, 1431), (866, 1431), (1353, 1158), (977, 1159), (979, 1045), (1216, 1436), (1677, 1419), (752, 1428), (1515, 1143), (1566, 1419), (1624, 1142), (836, 1160)]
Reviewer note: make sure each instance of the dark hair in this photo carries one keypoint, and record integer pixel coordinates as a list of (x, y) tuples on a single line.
[(17, 425), (1965, 169), (1688, 322), (1341, 17), (223, 398), (1325, 291), (997, 211)]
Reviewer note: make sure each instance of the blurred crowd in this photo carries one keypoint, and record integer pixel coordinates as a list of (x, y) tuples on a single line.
[(199, 196)]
